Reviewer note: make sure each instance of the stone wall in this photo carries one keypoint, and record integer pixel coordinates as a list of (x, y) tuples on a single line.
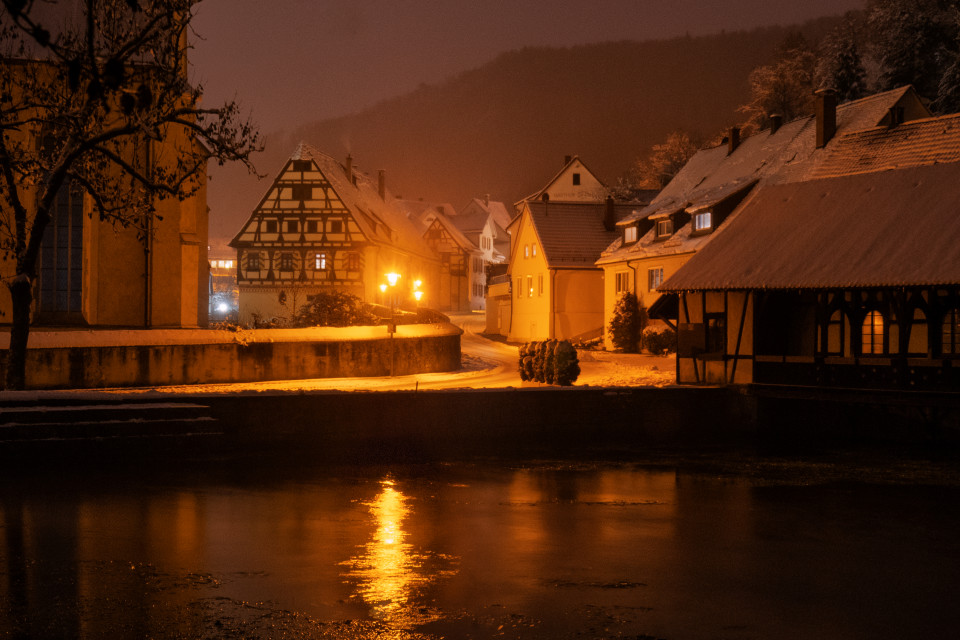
[(151, 358)]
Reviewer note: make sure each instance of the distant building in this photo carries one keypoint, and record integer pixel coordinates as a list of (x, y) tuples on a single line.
[(325, 226), (573, 183), (845, 275), (224, 294)]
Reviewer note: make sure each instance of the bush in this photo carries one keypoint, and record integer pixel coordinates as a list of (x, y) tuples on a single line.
[(660, 341), (334, 309), (549, 361), (626, 325)]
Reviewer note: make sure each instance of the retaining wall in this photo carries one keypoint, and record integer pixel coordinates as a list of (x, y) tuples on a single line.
[(86, 360)]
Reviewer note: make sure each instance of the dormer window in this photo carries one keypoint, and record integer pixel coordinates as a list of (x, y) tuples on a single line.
[(630, 234), (703, 221), (664, 228)]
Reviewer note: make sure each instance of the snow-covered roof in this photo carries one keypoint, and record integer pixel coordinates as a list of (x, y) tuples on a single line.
[(572, 234)]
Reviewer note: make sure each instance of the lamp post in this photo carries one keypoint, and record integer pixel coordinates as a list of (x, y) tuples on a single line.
[(391, 283)]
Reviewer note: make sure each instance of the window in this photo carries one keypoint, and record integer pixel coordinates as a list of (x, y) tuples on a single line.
[(529, 286), (301, 192), (716, 333), (664, 228), (623, 281), (311, 226), (951, 332), (301, 165), (353, 262), (654, 278), (336, 226), (320, 261), (526, 251), (703, 221), (872, 333), (540, 285), (253, 262), (286, 262), (293, 226), (576, 179), (271, 226), (533, 249), (519, 288), (61, 254), (630, 234)]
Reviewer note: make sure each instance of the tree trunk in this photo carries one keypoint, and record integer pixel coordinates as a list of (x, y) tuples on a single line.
[(21, 293)]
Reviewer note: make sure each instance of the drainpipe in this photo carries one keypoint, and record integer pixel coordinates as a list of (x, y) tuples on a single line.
[(553, 304), (147, 252)]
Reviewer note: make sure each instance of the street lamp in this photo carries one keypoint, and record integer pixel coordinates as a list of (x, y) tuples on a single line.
[(392, 279)]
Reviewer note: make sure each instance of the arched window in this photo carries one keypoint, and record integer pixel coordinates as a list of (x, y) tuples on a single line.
[(872, 334), (951, 332)]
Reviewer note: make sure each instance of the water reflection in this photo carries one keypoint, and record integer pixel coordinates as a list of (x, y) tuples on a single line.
[(390, 574)]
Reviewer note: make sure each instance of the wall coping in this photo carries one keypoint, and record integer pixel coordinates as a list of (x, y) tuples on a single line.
[(70, 338)]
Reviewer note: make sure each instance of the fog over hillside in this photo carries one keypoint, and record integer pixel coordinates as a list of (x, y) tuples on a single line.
[(503, 128)]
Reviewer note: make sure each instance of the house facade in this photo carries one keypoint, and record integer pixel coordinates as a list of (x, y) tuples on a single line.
[(92, 273), (325, 226), (695, 206), (846, 278), (557, 291), (574, 182)]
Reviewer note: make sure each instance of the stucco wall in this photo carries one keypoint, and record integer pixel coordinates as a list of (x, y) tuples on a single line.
[(253, 356)]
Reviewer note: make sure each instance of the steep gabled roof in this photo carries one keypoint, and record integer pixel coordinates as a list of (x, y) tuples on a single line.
[(891, 228), (537, 195), (572, 234), (788, 154)]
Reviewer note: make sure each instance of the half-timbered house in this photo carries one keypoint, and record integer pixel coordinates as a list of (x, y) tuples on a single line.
[(323, 226), (656, 241), (847, 278)]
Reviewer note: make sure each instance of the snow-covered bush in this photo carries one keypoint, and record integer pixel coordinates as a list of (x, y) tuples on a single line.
[(660, 341), (626, 325), (549, 361), (334, 309)]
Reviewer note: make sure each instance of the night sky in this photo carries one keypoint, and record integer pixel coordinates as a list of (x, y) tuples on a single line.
[(295, 61)]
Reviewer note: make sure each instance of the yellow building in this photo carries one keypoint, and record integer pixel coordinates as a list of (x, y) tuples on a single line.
[(557, 291), (92, 273), (325, 226)]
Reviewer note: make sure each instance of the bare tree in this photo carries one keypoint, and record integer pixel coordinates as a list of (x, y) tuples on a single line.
[(784, 87), (82, 92), (665, 160)]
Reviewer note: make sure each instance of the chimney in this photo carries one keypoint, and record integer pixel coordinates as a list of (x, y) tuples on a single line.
[(776, 121), (382, 184), (349, 168), (566, 160), (826, 109), (733, 140), (609, 218), (486, 199)]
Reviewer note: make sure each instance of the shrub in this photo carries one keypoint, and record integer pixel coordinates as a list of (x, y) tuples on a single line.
[(660, 341), (334, 309), (626, 325), (549, 361)]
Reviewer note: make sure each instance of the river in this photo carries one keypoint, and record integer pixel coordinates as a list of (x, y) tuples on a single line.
[(492, 549)]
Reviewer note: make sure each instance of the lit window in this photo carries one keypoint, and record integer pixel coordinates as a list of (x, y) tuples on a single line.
[(320, 261), (630, 234), (529, 286), (533, 249), (526, 251), (703, 221), (872, 334), (654, 278), (951, 332), (228, 264), (664, 228), (623, 281)]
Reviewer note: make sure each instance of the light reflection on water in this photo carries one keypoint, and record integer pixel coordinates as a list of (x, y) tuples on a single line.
[(389, 573)]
